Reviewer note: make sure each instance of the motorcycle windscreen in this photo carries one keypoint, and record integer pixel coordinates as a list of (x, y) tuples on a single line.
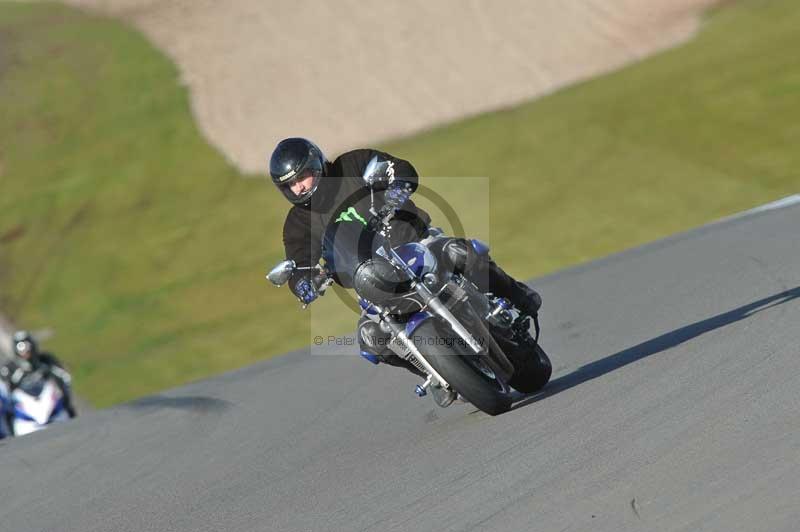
[(345, 246)]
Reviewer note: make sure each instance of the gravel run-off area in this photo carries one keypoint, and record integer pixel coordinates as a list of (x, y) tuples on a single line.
[(351, 73)]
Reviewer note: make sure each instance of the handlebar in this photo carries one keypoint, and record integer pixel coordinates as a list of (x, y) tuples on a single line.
[(321, 281)]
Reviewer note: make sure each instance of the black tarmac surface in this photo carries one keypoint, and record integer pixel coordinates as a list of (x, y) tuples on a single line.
[(675, 405)]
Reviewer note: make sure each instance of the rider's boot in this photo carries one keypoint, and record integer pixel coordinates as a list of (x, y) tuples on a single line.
[(479, 268), (526, 299)]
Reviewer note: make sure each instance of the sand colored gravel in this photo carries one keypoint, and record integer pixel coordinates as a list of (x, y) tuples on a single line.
[(349, 73)]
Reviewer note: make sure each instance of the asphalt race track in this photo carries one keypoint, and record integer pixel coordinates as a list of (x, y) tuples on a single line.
[(675, 405)]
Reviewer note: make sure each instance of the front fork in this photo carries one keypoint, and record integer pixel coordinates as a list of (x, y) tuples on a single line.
[(488, 348), (496, 359)]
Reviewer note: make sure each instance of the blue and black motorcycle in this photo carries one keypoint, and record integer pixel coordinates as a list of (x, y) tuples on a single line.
[(465, 341)]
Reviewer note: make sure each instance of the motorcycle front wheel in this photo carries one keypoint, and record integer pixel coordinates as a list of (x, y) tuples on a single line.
[(466, 372)]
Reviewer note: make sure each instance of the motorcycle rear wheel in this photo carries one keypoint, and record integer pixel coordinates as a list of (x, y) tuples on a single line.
[(532, 369), (461, 368)]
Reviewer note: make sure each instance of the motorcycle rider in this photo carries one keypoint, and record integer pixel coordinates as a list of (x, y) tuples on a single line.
[(28, 359), (322, 192), (5, 410)]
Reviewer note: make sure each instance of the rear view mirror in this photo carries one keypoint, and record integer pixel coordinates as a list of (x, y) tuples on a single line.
[(281, 273), (376, 170)]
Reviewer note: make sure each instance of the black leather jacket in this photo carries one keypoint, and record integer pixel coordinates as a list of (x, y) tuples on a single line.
[(342, 193)]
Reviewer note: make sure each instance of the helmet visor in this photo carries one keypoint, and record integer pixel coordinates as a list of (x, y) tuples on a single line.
[(299, 189)]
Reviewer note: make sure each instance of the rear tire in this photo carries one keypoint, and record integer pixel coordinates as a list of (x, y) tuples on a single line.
[(532, 369), (446, 352)]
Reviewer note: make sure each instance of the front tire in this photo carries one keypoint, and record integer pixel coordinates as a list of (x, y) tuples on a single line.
[(448, 355)]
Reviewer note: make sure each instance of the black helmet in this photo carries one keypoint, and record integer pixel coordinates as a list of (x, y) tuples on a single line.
[(25, 346), (293, 160)]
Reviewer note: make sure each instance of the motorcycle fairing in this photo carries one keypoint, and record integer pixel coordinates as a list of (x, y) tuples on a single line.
[(418, 257), (415, 321), (480, 247)]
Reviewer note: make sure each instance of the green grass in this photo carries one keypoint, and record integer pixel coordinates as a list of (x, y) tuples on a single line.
[(694, 134), (124, 231)]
